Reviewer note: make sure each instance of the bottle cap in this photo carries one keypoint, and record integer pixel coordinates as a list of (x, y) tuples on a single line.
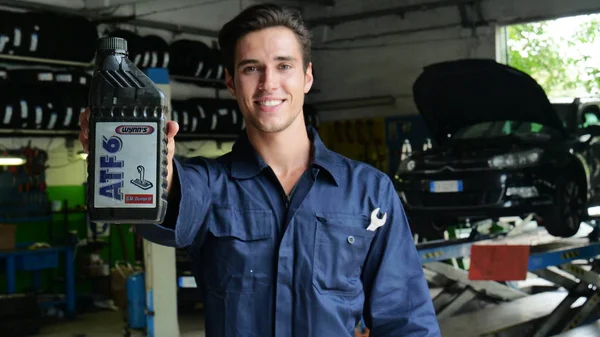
[(111, 43)]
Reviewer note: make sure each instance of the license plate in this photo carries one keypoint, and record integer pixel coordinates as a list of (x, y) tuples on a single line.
[(186, 282), (446, 186)]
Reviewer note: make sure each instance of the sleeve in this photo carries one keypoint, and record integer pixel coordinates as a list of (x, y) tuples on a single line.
[(188, 204), (397, 297)]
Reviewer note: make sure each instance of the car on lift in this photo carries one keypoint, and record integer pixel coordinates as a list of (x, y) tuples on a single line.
[(502, 149)]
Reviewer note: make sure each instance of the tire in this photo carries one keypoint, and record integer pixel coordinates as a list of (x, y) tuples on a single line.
[(429, 229), (568, 212)]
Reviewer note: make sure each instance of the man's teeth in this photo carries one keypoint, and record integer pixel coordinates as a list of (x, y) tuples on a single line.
[(270, 103)]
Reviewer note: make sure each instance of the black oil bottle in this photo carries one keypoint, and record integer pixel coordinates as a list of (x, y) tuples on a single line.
[(127, 160)]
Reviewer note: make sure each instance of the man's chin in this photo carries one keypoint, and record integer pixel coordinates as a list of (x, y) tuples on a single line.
[(271, 127)]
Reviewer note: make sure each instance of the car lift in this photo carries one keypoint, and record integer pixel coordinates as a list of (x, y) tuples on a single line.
[(494, 262)]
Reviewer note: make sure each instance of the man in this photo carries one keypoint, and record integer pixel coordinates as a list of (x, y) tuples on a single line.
[(288, 238)]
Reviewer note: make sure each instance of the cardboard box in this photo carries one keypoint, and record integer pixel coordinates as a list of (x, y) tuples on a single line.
[(119, 275), (7, 236)]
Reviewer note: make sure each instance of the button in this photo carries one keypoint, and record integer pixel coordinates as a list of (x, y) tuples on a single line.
[(351, 239)]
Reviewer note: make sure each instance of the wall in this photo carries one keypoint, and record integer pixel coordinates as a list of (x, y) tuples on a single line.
[(383, 55), (390, 69)]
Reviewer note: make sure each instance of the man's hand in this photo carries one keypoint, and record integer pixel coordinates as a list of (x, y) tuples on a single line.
[(172, 129), (84, 123)]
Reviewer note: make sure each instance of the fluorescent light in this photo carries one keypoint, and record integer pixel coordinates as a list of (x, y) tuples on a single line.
[(12, 161), (594, 211)]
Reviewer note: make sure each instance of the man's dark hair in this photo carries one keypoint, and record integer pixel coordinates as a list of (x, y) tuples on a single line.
[(259, 17)]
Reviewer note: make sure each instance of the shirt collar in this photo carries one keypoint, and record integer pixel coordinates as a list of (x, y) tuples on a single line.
[(247, 163)]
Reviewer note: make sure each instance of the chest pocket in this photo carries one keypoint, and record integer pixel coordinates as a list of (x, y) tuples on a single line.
[(342, 242), (238, 252)]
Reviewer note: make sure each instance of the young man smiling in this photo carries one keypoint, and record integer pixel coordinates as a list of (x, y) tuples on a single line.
[(286, 237)]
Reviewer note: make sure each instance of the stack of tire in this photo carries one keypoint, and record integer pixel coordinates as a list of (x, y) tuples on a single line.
[(197, 60), (47, 35), (149, 51), (208, 116), (193, 61), (43, 99)]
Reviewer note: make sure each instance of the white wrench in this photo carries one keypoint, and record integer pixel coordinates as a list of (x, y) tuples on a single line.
[(376, 222)]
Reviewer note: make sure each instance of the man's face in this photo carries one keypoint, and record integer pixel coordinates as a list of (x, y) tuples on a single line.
[(269, 79)]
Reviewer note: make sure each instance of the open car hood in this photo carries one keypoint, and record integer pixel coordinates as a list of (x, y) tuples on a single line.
[(455, 94)]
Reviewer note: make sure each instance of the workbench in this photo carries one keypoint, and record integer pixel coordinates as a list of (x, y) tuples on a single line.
[(35, 260)]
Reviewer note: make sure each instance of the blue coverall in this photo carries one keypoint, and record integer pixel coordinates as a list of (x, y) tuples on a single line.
[(303, 266)]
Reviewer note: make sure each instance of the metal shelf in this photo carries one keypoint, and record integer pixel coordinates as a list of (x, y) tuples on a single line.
[(18, 133), (12, 133), (44, 61), (202, 82), (25, 219)]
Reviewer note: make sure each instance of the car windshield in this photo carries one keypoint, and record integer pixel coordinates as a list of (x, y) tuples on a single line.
[(495, 129)]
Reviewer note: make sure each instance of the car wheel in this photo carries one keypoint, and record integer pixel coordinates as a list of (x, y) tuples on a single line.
[(569, 209), (429, 229)]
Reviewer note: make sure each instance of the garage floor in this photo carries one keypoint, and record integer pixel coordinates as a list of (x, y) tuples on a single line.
[(592, 330), (191, 323), (109, 324)]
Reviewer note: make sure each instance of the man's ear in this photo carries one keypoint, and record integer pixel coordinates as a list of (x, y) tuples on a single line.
[(229, 83), (308, 78)]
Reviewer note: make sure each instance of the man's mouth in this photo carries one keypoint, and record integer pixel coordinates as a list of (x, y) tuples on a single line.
[(271, 102)]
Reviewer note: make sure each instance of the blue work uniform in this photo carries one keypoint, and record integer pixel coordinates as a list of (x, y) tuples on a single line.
[(302, 265)]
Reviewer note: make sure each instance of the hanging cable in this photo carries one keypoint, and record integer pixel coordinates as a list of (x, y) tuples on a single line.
[(391, 44), (178, 8)]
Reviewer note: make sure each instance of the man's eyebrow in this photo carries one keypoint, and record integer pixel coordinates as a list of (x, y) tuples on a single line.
[(285, 58), (245, 62), (252, 61)]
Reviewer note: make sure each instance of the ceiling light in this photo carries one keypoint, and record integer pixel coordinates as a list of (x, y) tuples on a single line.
[(12, 161)]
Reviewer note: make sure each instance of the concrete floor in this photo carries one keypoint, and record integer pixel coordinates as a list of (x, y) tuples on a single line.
[(591, 330), (110, 324), (191, 324)]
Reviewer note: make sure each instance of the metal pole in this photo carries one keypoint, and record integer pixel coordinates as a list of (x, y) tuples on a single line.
[(131, 20), (399, 10)]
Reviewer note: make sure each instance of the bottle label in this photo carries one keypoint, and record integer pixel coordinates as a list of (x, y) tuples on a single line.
[(126, 158)]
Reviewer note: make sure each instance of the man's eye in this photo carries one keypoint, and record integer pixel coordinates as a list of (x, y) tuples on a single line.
[(285, 66), (249, 69)]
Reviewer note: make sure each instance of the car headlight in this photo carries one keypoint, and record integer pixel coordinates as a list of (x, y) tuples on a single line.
[(406, 165), (516, 159)]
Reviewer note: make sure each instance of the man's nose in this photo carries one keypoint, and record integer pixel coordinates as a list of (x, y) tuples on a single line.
[(269, 80)]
